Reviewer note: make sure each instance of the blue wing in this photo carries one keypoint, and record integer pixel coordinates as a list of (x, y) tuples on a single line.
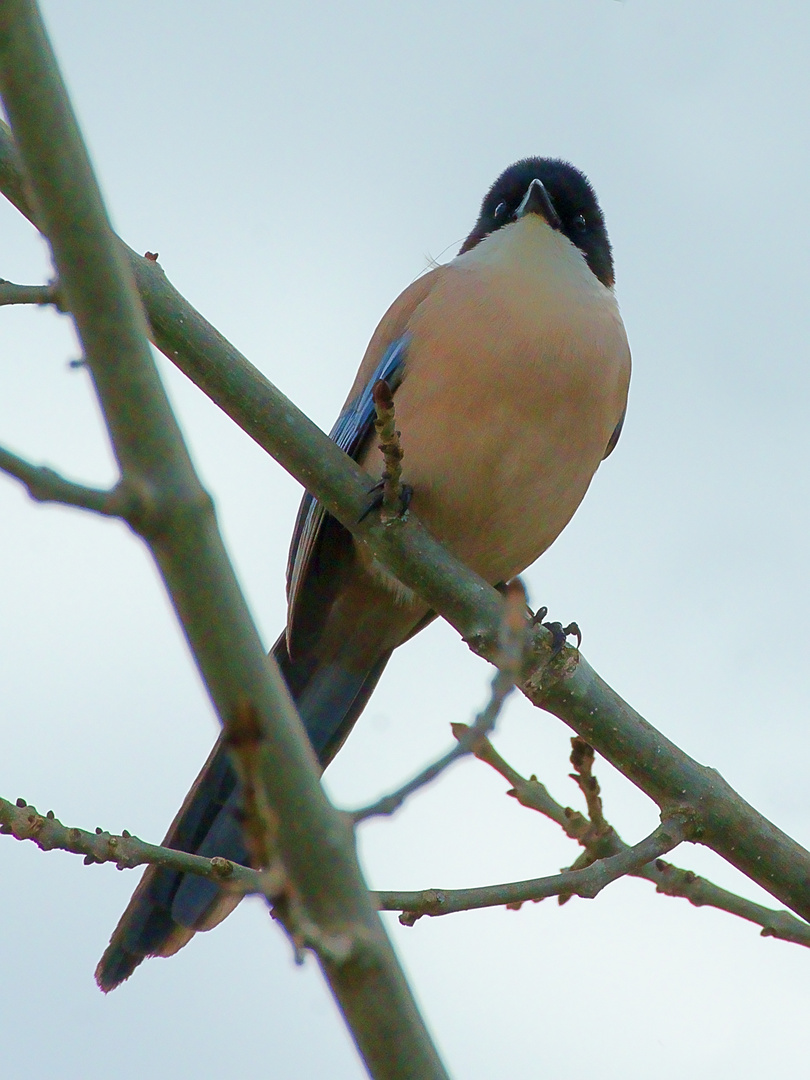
[(319, 541), (355, 422)]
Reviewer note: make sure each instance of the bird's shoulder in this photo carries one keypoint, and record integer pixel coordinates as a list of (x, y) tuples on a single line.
[(393, 325)]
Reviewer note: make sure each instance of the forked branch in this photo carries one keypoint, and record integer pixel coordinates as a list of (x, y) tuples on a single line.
[(569, 688), (45, 485), (314, 841)]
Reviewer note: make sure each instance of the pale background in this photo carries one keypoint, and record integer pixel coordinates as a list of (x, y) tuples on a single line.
[(296, 166)]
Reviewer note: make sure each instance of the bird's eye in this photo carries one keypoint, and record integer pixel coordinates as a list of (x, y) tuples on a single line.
[(500, 211), (579, 223)]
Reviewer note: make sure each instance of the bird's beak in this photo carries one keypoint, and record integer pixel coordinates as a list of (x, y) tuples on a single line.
[(538, 201)]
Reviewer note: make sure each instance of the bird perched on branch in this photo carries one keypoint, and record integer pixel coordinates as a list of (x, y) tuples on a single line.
[(510, 369)]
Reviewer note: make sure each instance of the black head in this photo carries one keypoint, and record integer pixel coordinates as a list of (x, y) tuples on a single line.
[(573, 198)]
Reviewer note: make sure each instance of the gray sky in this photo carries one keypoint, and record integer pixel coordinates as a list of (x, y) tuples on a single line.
[(296, 166)]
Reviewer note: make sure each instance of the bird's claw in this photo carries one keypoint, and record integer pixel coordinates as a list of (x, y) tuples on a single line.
[(377, 494), (539, 615), (559, 633)]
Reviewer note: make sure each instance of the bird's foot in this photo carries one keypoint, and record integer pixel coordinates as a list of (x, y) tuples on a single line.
[(377, 495), (559, 633)]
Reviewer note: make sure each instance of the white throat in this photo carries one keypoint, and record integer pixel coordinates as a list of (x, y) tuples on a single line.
[(531, 248)]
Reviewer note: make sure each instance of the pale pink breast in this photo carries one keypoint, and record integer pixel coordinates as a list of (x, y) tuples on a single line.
[(510, 397)]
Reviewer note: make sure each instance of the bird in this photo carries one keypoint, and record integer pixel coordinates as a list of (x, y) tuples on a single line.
[(509, 367)]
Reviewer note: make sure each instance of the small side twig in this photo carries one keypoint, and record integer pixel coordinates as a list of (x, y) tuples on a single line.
[(582, 758), (46, 485), (391, 447), (24, 822), (587, 882), (668, 879), (576, 693), (503, 682), (673, 881), (28, 294)]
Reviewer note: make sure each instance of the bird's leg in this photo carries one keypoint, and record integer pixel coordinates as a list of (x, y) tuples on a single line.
[(377, 494)]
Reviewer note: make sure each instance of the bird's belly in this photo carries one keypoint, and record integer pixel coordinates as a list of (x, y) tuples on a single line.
[(506, 410)]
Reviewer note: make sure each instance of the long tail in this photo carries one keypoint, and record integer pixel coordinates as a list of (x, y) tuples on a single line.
[(168, 907)]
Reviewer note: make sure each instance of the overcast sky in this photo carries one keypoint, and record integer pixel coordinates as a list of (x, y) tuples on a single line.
[(296, 166)]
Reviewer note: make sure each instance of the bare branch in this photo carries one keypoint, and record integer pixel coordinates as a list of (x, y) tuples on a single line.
[(598, 830), (27, 294), (668, 879), (582, 758), (672, 881), (24, 822), (315, 841), (587, 882), (503, 683), (569, 688), (45, 485), (391, 447)]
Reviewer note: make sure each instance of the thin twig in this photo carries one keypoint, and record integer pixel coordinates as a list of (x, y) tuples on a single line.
[(45, 485), (582, 758), (503, 683), (24, 822), (27, 294), (391, 447), (315, 843), (668, 879), (587, 882), (673, 881), (569, 688)]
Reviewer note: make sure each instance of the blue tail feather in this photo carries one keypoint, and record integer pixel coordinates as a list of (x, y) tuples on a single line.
[(167, 902)]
